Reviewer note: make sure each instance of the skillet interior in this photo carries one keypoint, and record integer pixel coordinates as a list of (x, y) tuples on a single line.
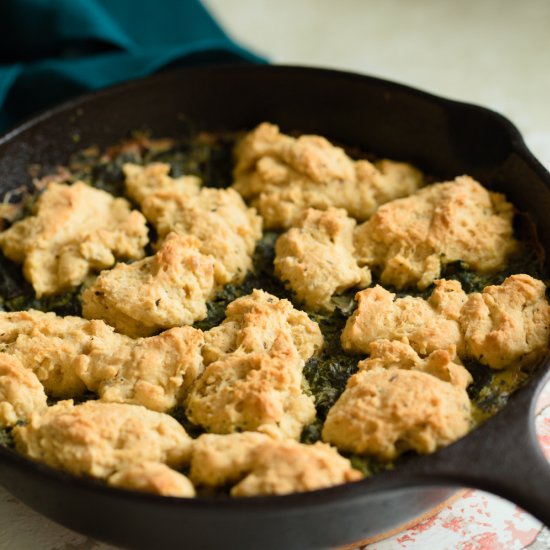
[(442, 137)]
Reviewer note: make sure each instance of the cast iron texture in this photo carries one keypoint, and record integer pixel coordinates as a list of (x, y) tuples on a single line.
[(442, 137)]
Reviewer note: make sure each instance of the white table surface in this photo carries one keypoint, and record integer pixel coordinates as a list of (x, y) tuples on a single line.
[(494, 53)]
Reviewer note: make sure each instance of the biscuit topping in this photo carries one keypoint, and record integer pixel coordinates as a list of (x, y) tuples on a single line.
[(166, 290), (74, 231), (218, 218), (410, 240), (316, 260), (283, 176)]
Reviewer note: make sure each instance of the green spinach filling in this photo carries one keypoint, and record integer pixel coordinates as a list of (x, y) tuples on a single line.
[(325, 376)]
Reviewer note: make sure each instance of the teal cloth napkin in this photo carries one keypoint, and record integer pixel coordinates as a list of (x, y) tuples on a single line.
[(51, 50)]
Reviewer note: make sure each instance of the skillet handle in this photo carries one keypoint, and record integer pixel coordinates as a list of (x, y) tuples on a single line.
[(502, 457)]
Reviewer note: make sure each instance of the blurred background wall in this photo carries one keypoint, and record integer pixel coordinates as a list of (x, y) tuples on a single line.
[(491, 52)]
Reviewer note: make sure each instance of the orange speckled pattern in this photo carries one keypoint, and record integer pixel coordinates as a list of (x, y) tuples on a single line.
[(478, 520)]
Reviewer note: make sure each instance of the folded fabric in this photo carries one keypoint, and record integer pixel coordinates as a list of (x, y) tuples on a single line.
[(51, 50)]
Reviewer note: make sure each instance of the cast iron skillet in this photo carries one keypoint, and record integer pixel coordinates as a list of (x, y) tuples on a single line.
[(442, 137)]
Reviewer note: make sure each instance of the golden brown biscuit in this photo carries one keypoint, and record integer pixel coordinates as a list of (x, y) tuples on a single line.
[(253, 379), (166, 290), (70, 355), (507, 324), (315, 259), (398, 354), (255, 391), (282, 176), (218, 218), (155, 372), (53, 346), (142, 181), (284, 467), (153, 477), (384, 412), (75, 230), (409, 240), (98, 439), (255, 322), (428, 324), (21, 393), (220, 460), (255, 464)]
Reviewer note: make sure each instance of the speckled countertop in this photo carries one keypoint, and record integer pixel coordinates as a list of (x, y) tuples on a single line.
[(491, 52)]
